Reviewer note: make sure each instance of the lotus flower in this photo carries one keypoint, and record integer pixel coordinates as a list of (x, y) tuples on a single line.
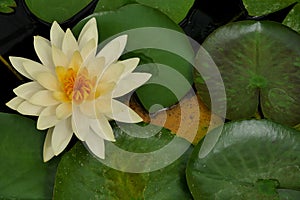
[(74, 88)]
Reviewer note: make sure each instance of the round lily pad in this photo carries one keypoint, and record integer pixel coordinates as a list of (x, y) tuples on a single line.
[(82, 176), (252, 159), (163, 49), (259, 63)]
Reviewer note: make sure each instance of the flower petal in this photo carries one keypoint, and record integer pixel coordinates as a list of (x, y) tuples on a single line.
[(47, 150), (62, 134), (130, 83), (113, 50), (112, 73), (26, 90), (80, 123), (17, 63), (43, 98), (47, 118), (88, 50), (14, 103), (43, 50), (64, 111), (96, 66), (34, 68), (88, 32), (130, 65), (26, 108), (122, 113), (95, 144), (69, 44), (102, 128), (103, 105), (48, 81), (59, 58), (56, 35)]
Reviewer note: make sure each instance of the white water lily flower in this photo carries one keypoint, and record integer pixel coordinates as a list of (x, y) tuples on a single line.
[(73, 89)]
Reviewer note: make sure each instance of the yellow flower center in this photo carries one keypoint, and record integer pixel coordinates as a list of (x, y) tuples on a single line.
[(75, 86)]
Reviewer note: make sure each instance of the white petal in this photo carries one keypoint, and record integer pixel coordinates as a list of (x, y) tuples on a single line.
[(47, 150), (88, 32), (34, 68), (122, 113), (47, 118), (130, 65), (64, 110), (43, 98), (26, 90), (95, 144), (17, 63), (62, 135), (88, 108), (103, 105), (59, 58), (69, 45), (80, 124), (130, 83), (102, 128), (112, 73), (15, 103), (96, 66), (56, 35), (27, 108), (48, 81), (113, 50), (43, 50), (88, 50)]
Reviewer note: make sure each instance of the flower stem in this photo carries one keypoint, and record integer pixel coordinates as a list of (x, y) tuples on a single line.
[(10, 68)]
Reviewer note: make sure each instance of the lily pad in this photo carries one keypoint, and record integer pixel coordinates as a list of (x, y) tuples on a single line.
[(258, 7), (164, 50), (176, 10), (56, 10), (253, 159), (7, 6), (81, 176), (23, 173), (259, 63)]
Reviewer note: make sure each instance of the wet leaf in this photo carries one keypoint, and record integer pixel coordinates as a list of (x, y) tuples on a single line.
[(80, 175), (259, 64), (253, 159)]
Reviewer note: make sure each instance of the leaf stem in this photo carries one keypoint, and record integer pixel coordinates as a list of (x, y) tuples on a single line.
[(10, 68)]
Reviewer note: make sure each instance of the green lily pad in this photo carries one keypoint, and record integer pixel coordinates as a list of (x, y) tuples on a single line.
[(292, 19), (175, 9), (81, 176), (253, 159), (259, 63), (258, 7), (160, 44), (55, 10), (7, 6), (23, 173)]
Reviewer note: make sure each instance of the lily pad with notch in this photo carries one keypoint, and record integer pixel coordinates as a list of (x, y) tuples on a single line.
[(259, 64), (252, 159)]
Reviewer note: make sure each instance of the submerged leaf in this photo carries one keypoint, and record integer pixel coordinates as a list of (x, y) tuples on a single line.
[(7, 6)]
